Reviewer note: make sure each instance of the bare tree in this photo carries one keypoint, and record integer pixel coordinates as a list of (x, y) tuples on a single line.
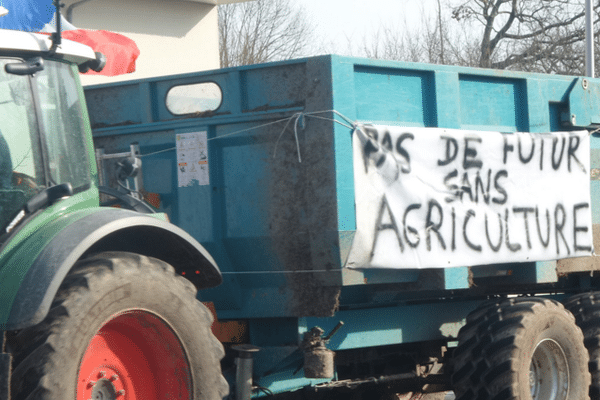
[(530, 35), (434, 40), (263, 30), (392, 44), (527, 35)]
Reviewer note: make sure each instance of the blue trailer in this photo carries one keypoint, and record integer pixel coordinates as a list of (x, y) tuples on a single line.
[(332, 285)]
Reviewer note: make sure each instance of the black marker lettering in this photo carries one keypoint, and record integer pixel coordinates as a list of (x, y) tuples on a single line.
[(475, 247), (539, 229), (559, 226), (466, 187), (410, 229), (402, 151), (469, 160), (555, 163), (370, 146), (525, 160), (573, 145), (507, 147), (381, 160), (499, 188), (525, 210), (379, 226), (542, 154), (451, 150), (453, 229), (485, 191), (511, 246), (431, 226), (577, 228), (470, 213), (452, 188), (487, 233), (387, 141)]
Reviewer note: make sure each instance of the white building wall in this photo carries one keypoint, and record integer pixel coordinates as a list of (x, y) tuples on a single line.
[(173, 36)]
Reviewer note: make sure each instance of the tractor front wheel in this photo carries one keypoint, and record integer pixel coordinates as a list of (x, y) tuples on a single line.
[(122, 327)]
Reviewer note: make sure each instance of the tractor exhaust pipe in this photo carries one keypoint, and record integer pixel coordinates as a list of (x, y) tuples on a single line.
[(243, 374)]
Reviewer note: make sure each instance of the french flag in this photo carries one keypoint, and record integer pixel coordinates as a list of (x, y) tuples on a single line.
[(39, 16)]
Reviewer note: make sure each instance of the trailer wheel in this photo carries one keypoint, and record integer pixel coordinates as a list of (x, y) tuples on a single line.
[(521, 348), (586, 309), (122, 327)]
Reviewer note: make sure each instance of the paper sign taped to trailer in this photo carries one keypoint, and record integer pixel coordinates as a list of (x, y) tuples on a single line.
[(192, 159), (434, 198)]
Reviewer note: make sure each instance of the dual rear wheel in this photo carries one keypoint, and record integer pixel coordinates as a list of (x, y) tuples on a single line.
[(586, 309), (521, 348)]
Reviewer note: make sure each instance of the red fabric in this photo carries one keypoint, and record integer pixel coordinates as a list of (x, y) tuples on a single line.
[(120, 51)]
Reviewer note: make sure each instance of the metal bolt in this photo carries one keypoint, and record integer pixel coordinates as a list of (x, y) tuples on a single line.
[(584, 83)]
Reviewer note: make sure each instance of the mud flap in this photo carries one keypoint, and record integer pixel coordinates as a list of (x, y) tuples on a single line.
[(5, 363)]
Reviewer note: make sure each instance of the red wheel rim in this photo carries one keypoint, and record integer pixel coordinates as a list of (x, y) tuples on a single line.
[(134, 356)]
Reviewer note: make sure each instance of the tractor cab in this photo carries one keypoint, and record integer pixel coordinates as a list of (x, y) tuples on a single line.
[(43, 124)]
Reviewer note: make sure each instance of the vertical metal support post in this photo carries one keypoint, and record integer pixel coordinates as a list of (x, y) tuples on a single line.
[(100, 166), (243, 373), (138, 181), (589, 39), (5, 370)]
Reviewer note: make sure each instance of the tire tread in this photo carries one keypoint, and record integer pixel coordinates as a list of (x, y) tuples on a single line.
[(486, 359), (34, 348)]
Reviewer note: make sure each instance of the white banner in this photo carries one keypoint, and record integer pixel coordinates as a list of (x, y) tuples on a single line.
[(434, 198)]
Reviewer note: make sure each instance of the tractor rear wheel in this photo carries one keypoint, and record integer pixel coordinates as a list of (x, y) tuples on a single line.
[(122, 327)]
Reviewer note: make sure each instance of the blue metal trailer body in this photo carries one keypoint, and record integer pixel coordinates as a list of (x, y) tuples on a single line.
[(278, 214)]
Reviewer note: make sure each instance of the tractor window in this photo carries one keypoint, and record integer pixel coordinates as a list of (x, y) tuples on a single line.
[(21, 163), (42, 134), (64, 126)]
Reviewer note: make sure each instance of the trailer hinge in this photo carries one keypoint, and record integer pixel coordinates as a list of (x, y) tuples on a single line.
[(584, 104)]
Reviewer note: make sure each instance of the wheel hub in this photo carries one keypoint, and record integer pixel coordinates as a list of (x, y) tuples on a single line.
[(549, 372), (104, 384), (104, 390), (135, 355)]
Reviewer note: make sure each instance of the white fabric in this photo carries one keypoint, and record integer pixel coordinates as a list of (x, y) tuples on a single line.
[(434, 198)]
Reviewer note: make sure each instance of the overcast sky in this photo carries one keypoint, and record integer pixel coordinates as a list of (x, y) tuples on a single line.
[(340, 22)]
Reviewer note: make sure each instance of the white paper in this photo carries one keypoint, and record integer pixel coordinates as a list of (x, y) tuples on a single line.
[(192, 159), (434, 198)]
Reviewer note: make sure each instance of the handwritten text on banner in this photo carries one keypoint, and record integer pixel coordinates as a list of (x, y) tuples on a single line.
[(430, 197)]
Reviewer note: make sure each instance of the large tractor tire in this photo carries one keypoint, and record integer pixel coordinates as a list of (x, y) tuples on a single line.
[(122, 327), (586, 309), (521, 349)]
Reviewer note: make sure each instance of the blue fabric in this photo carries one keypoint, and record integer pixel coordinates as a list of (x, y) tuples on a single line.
[(26, 15)]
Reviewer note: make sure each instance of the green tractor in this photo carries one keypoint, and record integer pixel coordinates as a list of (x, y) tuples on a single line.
[(93, 304)]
